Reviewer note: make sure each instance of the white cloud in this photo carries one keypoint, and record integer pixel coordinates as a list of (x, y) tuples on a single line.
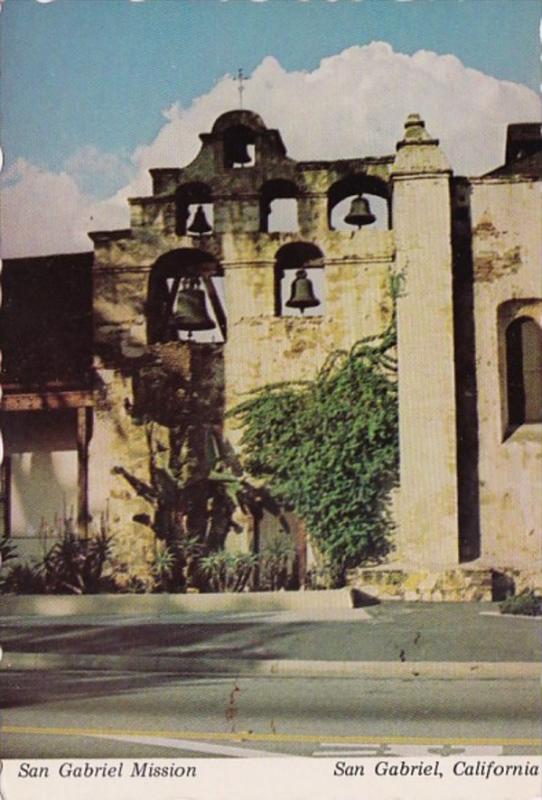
[(40, 212), (353, 104), (47, 212), (98, 173)]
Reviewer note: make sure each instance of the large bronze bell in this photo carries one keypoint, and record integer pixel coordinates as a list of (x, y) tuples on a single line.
[(199, 224), (191, 310), (360, 212), (302, 294)]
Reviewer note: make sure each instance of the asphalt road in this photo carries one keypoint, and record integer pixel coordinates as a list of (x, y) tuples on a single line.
[(386, 632), (95, 715)]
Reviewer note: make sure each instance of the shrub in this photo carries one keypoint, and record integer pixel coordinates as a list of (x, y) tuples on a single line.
[(8, 551), (24, 579), (324, 575), (328, 450), (228, 572), (525, 603), (74, 565), (162, 567), (276, 562)]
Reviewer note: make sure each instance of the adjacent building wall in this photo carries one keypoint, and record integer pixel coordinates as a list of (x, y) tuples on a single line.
[(507, 256), (41, 448)]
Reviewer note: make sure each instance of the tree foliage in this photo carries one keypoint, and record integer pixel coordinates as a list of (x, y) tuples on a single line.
[(328, 448)]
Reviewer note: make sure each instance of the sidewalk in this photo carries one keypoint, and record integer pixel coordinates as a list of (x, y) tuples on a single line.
[(410, 640)]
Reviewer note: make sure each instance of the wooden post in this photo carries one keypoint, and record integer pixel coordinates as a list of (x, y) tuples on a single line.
[(216, 304), (256, 519), (5, 495), (300, 534), (83, 438)]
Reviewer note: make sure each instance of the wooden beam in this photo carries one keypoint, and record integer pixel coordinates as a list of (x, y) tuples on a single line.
[(216, 304), (83, 438), (173, 295), (46, 401)]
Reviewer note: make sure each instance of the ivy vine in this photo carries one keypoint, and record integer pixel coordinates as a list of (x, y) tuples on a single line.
[(328, 449)]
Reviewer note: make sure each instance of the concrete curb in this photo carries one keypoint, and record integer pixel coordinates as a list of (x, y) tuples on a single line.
[(432, 670), (163, 604)]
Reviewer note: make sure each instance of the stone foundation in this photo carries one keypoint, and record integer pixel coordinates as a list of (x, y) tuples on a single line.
[(455, 584)]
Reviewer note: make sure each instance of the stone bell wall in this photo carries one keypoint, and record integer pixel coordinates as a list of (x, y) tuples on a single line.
[(264, 348), (136, 381)]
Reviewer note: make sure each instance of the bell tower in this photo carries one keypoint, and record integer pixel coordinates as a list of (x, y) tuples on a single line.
[(428, 515)]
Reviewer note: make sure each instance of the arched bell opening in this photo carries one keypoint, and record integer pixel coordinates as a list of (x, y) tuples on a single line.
[(359, 201), (299, 281), (194, 210), (278, 207), (185, 298), (239, 147)]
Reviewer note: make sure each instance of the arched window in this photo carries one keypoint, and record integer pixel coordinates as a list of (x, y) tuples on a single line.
[(299, 280), (524, 371)]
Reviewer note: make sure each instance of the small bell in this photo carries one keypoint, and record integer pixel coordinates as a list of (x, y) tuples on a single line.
[(302, 294), (190, 309), (199, 225), (360, 212)]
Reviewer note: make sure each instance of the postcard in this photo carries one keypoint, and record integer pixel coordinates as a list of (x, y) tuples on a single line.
[(271, 335)]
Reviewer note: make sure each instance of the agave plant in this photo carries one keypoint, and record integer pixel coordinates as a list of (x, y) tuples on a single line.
[(75, 564), (8, 550), (24, 579), (168, 559), (228, 572), (277, 557)]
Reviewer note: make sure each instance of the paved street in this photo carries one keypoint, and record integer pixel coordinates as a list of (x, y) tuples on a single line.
[(67, 714), (77, 709), (386, 632)]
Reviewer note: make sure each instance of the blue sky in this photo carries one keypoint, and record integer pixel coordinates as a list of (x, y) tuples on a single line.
[(96, 92), (78, 72)]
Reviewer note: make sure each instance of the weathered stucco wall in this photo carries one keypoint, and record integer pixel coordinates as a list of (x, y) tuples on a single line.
[(264, 347), (261, 347), (428, 528), (507, 259), (118, 442), (124, 397)]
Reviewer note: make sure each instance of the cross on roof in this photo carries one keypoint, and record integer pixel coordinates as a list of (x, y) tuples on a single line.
[(240, 88)]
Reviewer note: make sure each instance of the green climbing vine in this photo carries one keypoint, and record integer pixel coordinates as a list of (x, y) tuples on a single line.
[(328, 448)]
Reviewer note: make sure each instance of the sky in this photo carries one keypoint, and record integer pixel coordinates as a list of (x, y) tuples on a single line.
[(95, 92)]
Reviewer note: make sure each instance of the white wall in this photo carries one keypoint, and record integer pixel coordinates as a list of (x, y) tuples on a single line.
[(41, 447)]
